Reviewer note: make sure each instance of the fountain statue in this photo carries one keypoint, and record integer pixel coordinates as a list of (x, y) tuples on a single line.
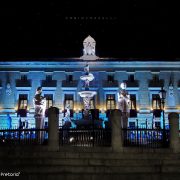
[(87, 95)]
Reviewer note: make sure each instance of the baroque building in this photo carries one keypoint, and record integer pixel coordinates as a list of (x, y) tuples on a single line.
[(60, 81)]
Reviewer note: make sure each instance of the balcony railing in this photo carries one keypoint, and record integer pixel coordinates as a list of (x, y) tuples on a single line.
[(159, 83), (69, 83), (20, 83), (49, 83), (132, 84), (110, 83)]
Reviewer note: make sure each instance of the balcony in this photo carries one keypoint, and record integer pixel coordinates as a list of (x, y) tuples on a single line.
[(132, 84), (110, 83), (133, 113), (22, 112), (20, 83), (179, 83), (51, 83), (66, 83), (159, 83), (157, 112)]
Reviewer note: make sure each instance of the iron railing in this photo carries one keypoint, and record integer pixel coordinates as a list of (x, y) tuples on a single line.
[(23, 136), (85, 137), (149, 138)]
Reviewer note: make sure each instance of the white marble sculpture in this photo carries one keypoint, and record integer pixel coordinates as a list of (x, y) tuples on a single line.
[(89, 49), (40, 106), (123, 102)]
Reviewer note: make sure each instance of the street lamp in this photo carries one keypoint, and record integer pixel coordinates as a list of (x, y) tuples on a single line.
[(162, 94)]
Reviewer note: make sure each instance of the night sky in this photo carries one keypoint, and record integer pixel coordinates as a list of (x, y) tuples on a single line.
[(130, 29)]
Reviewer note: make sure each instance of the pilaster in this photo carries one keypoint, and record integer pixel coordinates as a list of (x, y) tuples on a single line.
[(59, 77), (143, 93)]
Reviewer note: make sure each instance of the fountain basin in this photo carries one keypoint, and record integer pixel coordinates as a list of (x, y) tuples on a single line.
[(89, 94), (88, 77)]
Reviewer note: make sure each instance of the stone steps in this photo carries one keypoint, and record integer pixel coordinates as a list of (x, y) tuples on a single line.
[(89, 165), (79, 162)]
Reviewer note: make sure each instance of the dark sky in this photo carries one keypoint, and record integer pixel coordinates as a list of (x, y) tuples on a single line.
[(130, 29)]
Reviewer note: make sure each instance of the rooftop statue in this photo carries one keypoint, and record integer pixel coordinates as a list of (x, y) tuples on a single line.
[(89, 46), (89, 49)]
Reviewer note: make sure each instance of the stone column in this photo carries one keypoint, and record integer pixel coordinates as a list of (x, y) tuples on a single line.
[(174, 132), (59, 77), (176, 91), (102, 75), (144, 100), (77, 103), (165, 76), (116, 137), (53, 128)]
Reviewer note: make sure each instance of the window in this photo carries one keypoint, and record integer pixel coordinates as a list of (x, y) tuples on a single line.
[(70, 78), (133, 101), (110, 101), (68, 100), (24, 78), (155, 78), (23, 101), (92, 104), (131, 78), (49, 100), (48, 78), (156, 103), (110, 78)]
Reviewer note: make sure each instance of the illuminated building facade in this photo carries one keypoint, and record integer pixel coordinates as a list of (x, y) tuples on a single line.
[(60, 81)]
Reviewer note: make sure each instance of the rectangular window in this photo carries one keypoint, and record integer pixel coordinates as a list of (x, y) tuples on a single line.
[(131, 78), (110, 101), (48, 78), (110, 78), (92, 103), (49, 100), (156, 102), (68, 100), (24, 78), (23, 101), (70, 78), (155, 78), (133, 101)]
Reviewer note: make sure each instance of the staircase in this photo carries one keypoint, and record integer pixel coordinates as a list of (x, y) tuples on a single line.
[(73, 163)]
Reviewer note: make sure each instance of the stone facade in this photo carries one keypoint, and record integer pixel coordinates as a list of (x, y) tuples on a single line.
[(61, 69)]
